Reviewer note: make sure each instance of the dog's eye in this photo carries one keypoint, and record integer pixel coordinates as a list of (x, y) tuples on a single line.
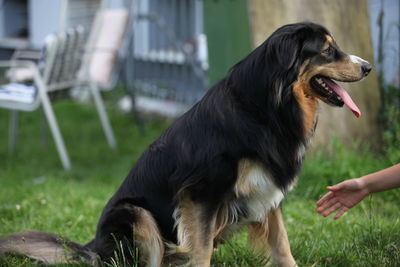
[(328, 51)]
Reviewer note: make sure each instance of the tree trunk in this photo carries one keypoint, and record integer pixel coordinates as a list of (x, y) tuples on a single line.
[(348, 21)]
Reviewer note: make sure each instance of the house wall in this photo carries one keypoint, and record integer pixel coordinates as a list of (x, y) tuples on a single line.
[(43, 20), (35, 19), (391, 37)]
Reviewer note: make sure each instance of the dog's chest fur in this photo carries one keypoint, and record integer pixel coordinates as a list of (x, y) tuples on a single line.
[(255, 192)]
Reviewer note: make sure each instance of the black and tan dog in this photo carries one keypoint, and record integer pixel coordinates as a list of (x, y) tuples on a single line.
[(225, 164)]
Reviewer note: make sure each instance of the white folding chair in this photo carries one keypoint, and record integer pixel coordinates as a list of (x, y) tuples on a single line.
[(57, 70), (108, 52)]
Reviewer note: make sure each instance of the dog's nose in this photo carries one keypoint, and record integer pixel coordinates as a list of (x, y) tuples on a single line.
[(366, 68)]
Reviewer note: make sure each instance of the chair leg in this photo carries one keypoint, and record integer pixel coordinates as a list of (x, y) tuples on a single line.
[(51, 119), (105, 122), (13, 131)]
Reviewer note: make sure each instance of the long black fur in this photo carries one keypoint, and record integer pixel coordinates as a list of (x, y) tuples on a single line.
[(252, 113)]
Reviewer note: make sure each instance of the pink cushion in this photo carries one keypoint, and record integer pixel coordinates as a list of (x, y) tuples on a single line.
[(113, 24)]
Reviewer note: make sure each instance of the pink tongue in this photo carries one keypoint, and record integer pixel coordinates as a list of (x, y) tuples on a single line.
[(345, 97)]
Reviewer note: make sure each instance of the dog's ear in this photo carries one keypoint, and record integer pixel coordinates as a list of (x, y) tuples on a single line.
[(292, 47), (288, 49)]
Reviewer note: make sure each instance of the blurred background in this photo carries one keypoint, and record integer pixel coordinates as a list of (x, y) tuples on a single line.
[(163, 55)]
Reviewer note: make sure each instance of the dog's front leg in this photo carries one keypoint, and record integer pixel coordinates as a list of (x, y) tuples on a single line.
[(195, 232), (271, 234)]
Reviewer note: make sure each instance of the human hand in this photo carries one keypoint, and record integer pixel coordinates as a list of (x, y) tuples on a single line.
[(343, 196)]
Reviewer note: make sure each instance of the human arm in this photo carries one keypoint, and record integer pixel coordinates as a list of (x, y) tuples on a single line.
[(349, 193)]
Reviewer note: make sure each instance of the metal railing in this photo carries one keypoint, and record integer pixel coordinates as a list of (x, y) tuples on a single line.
[(170, 50)]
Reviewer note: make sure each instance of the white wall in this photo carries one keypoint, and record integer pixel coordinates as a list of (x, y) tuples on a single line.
[(43, 19), (391, 37)]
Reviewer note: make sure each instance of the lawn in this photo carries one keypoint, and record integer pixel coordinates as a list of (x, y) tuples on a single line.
[(36, 193)]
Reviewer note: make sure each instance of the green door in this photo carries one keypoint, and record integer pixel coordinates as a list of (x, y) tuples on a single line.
[(227, 27)]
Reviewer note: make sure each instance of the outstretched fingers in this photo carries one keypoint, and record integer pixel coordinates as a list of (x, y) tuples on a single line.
[(340, 213), (325, 198), (327, 204), (331, 209)]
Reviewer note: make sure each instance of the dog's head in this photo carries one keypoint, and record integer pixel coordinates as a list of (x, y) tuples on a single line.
[(313, 54), (304, 55)]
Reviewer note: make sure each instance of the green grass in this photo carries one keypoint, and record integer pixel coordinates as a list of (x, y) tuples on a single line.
[(35, 192)]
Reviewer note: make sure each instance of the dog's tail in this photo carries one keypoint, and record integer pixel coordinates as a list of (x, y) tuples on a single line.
[(47, 248)]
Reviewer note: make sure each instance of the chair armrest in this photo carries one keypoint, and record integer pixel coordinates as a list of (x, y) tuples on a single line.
[(17, 63), (26, 54)]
